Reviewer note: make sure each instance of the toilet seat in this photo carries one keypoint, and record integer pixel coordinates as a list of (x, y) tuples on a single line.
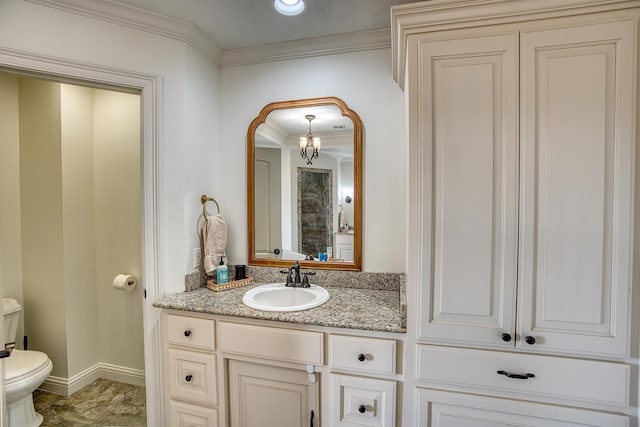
[(24, 364)]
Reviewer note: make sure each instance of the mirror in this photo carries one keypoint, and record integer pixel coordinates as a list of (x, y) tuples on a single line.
[(305, 208)]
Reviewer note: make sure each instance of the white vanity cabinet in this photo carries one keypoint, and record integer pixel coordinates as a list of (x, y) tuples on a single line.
[(191, 371), (358, 401), (522, 137), (236, 372), (343, 246)]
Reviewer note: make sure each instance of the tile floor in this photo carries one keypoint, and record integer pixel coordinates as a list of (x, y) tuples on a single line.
[(103, 403)]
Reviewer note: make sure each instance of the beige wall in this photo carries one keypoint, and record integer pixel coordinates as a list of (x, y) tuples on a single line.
[(79, 237), (78, 176), (118, 232), (42, 220), (10, 240)]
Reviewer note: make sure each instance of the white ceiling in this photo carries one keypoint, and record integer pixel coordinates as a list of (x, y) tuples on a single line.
[(244, 23)]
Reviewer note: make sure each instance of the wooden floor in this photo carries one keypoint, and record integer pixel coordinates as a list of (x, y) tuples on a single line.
[(103, 403)]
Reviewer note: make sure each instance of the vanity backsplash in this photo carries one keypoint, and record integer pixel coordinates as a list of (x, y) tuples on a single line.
[(324, 278)]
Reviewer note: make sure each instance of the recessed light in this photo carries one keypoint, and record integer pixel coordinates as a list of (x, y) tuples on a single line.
[(289, 7)]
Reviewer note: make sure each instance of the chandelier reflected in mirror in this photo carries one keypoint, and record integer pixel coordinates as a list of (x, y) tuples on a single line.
[(309, 145)]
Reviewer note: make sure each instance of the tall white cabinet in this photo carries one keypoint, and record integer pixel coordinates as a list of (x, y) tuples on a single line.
[(522, 144)]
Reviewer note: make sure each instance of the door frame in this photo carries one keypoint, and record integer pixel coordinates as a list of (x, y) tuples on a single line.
[(149, 88)]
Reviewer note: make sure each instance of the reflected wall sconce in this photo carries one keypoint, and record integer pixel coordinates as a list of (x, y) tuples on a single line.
[(309, 144)]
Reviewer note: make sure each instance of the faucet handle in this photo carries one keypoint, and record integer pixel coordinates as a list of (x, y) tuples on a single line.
[(305, 280), (289, 278)]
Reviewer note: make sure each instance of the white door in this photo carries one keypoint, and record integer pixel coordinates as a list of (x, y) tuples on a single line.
[(262, 217), (268, 234), (467, 97), (577, 177)]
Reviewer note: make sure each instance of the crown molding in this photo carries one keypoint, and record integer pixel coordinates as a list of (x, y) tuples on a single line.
[(439, 15), (306, 48), (142, 20), (273, 133)]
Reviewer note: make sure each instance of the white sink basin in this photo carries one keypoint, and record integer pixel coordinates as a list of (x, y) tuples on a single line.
[(278, 297)]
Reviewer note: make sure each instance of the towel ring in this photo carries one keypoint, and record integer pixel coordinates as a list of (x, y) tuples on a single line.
[(204, 199)]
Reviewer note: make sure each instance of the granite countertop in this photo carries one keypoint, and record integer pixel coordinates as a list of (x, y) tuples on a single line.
[(365, 309)]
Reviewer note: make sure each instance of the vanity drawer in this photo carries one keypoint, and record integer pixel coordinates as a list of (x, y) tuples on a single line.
[(438, 408), (272, 343), (553, 377), (185, 415), (191, 332), (365, 355), (362, 401), (192, 376)]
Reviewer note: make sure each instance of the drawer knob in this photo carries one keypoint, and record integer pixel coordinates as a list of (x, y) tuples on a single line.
[(361, 357), (188, 378), (516, 376), (530, 340), (506, 337), (187, 333), (362, 409)]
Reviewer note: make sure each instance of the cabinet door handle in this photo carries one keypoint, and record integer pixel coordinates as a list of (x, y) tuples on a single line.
[(516, 376), (188, 378), (361, 357), (362, 409), (187, 333), (506, 337), (312, 415), (530, 340)]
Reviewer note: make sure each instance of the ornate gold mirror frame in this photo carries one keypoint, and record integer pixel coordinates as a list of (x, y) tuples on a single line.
[(356, 264)]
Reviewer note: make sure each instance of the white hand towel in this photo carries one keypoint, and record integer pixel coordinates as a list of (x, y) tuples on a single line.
[(215, 242)]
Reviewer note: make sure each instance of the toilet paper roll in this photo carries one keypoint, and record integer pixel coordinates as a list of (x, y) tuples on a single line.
[(125, 282)]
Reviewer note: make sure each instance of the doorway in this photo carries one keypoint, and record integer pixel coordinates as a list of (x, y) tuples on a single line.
[(71, 204)]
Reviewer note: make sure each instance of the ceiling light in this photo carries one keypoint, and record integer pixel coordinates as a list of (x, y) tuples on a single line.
[(309, 143), (289, 7)]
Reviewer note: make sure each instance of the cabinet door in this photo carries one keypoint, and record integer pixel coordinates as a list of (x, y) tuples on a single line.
[(443, 409), (577, 188), (467, 156), (269, 396)]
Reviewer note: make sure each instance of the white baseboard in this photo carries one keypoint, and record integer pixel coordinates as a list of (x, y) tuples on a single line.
[(68, 386)]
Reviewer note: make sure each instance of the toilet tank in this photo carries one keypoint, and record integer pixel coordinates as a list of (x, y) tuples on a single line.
[(11, 312)]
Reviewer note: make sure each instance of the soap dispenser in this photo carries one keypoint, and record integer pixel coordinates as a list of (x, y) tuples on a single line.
[(222, 273)]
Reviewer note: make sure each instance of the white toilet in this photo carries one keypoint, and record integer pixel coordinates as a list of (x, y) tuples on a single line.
[(24, 371)]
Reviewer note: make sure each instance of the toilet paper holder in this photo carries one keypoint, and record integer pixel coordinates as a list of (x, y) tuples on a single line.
[(125, 282)]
